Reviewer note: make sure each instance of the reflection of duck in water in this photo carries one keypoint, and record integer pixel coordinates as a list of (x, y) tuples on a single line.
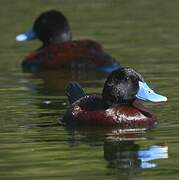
[(59, 51), (54, 82), (127, 156), (117, 106)]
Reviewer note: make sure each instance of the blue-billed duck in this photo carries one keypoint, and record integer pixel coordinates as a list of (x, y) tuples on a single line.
[(59, 50), (117, 106)]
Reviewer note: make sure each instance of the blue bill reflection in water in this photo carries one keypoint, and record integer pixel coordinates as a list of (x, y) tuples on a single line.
[(128, 158), (152, 153)]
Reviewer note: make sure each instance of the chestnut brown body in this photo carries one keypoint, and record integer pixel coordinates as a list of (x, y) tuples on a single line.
[(90, 110), (72, 54)]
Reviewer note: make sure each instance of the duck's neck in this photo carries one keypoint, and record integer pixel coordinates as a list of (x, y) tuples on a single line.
[(121, 102), (63, 37), (58, 39)]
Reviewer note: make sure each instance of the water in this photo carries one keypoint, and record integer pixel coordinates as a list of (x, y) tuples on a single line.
[(34, 145)]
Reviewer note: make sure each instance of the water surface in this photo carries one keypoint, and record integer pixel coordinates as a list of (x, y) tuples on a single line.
[(34, 145)]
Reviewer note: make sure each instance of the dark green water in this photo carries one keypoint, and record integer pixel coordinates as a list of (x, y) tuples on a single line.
[(142, 34)]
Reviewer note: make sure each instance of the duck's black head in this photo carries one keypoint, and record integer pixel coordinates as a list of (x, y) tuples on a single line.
[(121, 86), (52, 27)]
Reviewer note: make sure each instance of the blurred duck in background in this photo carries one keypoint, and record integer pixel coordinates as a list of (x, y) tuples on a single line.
[(58, 50)]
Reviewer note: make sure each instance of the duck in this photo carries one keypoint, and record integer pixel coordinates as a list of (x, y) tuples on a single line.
[(58, 50), (118, 106)]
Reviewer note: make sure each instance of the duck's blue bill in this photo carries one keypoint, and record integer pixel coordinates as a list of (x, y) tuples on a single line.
[(147, 94), (109, 68), (26, 36)]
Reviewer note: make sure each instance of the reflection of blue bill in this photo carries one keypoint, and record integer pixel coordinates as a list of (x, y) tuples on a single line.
[(153, 153)]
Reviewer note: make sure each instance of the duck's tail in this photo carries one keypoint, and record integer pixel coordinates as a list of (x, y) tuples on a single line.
[(74, 92)]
